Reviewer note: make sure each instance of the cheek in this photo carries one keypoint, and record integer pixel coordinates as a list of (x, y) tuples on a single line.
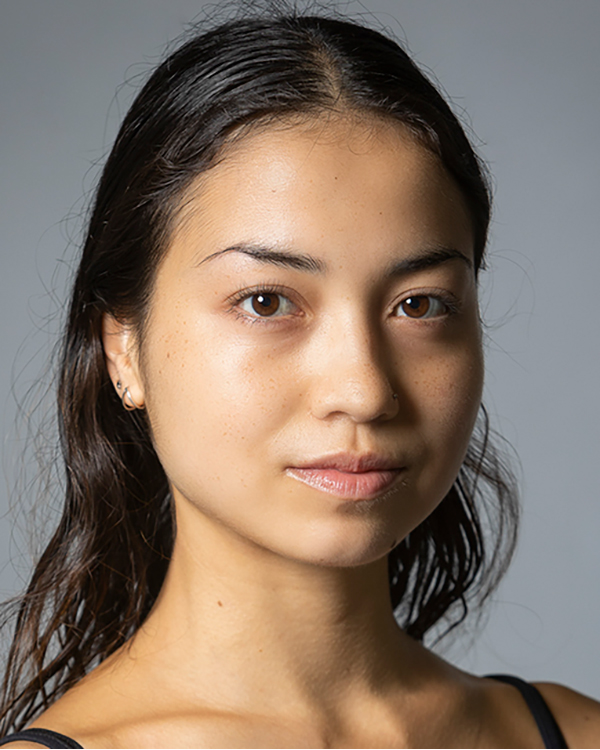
[(211, 405), (454, 392), (448, 396), (444, 374)]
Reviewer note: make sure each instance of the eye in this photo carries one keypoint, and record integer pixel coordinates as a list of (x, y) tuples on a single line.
[(267, 304), (421, 306)]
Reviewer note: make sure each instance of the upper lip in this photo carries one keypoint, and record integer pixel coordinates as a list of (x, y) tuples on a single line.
[(351, 463)]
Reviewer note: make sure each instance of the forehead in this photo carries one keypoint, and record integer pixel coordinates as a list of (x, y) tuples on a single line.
[(326, 183)]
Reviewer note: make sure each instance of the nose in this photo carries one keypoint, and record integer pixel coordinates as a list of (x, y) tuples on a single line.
[(351, 375)]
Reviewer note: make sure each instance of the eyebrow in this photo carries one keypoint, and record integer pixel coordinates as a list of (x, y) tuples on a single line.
[(298, 261), (433, 257), (302, 262)]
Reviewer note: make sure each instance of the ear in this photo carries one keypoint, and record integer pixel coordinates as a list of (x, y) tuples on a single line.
[(121, 354)]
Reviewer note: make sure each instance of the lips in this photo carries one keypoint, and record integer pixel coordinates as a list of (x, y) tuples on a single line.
[(351, 477)]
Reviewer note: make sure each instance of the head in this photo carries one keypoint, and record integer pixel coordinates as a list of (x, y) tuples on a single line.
[(317, 298), (260, 134), (203, 124)]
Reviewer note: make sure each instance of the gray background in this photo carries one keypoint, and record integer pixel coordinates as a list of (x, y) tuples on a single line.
[(528, 73)]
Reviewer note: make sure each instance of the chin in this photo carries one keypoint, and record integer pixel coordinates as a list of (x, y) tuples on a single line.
[(333, 548)]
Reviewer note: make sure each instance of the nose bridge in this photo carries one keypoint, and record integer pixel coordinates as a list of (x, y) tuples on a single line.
[(352, 374), (359, 345)]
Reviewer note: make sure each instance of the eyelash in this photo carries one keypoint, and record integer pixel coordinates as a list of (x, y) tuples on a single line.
[(449, 301), (267, 290)]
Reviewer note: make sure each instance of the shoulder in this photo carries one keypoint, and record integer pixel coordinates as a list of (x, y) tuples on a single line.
[(577, 715), (36, 736)]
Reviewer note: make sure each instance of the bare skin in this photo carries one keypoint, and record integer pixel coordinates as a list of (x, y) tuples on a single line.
[(274, 626)]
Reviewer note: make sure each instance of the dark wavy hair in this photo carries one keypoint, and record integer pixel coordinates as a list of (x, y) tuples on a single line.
[(103, 568)]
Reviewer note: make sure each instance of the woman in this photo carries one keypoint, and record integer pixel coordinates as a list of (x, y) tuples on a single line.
[(270, 380)]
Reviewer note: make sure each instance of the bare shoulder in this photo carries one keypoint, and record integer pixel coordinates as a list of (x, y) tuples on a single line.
[(577, 715)]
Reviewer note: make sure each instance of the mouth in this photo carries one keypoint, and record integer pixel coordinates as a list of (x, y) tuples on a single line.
[(350, 477)]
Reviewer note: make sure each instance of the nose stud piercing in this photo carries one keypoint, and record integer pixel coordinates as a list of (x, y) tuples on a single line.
[(395, 396)]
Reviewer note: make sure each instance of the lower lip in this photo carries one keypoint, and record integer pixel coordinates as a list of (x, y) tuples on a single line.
[(363, 485)]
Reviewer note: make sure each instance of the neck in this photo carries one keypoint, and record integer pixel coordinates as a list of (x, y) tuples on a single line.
[(254, 629)]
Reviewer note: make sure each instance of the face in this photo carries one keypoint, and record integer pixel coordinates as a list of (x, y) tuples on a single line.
[(311, 365)]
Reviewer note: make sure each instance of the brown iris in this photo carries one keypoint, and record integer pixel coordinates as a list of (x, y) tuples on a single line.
[(416, 307), (265, 304)]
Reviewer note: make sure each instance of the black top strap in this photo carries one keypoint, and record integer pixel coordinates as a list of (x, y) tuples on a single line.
[(549, 729), (45, 737)]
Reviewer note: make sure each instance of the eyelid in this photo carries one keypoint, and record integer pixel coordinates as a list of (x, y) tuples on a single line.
[(451, 301), (262, 288)]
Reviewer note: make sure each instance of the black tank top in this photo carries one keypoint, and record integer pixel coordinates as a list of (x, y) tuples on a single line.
[(549, 729)]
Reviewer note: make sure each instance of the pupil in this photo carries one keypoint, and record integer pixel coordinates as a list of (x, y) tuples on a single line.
[(265, 303), (415, 306)]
